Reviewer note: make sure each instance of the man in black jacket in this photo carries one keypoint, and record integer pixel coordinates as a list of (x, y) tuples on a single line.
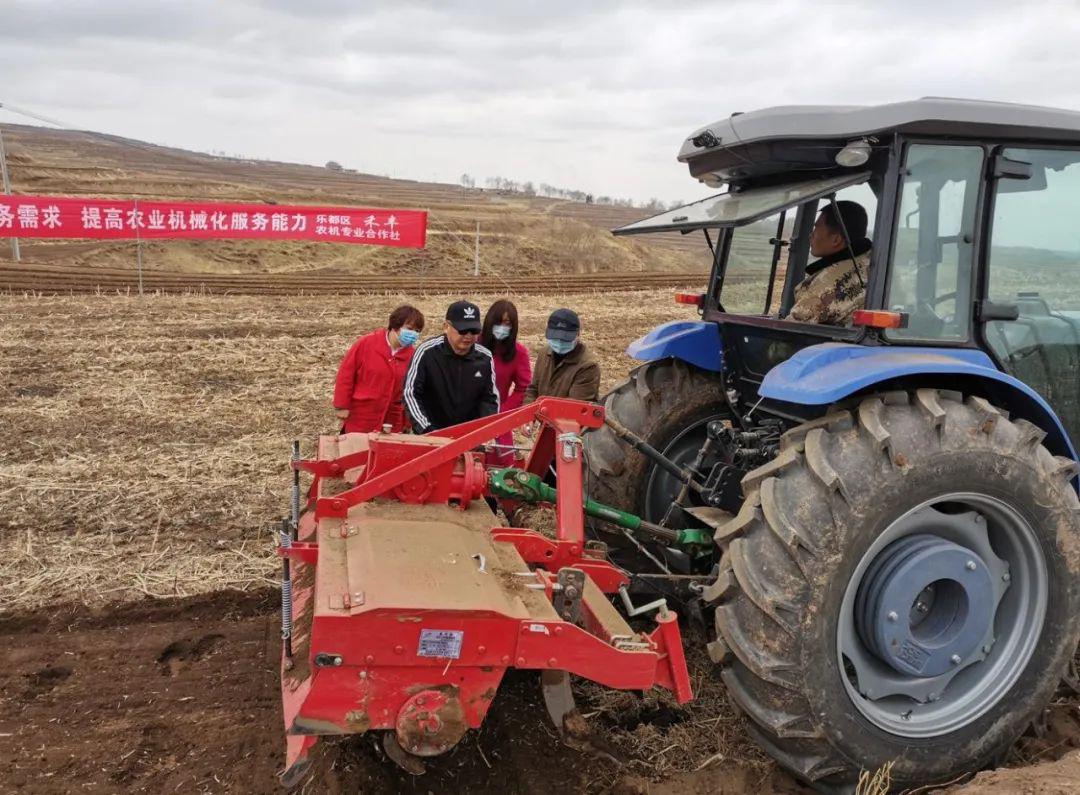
[(451, 379)]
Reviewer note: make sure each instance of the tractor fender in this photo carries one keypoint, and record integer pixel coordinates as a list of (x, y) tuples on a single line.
[(827, 373), (693, 341)]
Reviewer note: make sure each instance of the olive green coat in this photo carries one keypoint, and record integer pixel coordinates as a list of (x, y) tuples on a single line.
[(577, 376)]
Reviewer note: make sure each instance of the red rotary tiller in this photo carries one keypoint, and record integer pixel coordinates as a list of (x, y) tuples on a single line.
[(404, 603)]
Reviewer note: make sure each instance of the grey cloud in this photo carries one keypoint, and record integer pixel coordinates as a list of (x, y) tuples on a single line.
[(62, 20), (590, 95)]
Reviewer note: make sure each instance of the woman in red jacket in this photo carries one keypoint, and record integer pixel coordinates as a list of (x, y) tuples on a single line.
[(513, 371), (367, 394)]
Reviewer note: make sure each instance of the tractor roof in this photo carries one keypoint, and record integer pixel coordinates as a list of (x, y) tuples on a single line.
[(748, 136)]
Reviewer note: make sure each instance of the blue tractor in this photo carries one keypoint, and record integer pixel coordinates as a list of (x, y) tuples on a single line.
[(896, 568)]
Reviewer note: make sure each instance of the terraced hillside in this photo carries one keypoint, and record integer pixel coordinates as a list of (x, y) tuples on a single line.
[(519, 235)]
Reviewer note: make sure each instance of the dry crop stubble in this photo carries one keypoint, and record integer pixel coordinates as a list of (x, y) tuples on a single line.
[(144, 454), (143, 448), (144, 441)]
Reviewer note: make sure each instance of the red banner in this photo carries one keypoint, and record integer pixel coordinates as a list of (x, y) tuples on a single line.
[(65, 217)]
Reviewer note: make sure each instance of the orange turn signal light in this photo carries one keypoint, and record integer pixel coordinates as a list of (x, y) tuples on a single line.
[(692, 299), (878, 318)]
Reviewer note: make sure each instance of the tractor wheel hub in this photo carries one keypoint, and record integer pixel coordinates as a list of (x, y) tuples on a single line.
[(925, 605)]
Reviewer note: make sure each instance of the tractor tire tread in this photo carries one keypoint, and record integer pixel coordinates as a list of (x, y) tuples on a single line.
[(782, 543), (653, 400), (784, 528)]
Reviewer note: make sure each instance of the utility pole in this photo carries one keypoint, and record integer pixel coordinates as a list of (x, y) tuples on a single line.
[(7, 191), (3, 161), (476, 253), (138, 248)]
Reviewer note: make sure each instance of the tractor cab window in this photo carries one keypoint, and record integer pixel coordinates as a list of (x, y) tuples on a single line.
[(750, 263), (1034, 277), (931, 272), (755, 247), (754, 225)]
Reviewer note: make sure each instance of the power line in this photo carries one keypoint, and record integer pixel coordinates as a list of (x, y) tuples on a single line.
[(37, 116), (156, 149)]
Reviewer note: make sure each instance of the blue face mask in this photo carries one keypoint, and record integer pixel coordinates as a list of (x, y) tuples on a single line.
[(560, 347), (500, 332), (408, 336)]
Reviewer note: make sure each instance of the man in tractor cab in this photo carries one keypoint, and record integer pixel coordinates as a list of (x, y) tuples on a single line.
[(835, 283)]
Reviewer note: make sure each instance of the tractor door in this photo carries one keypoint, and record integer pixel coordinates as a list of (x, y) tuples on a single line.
[(932, 264), (1031, 315)]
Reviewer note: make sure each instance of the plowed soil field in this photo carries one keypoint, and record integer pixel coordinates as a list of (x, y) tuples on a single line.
[(143, 447), (59, 279)]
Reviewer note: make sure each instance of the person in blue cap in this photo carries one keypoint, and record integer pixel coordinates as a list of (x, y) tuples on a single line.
[(565, 368)]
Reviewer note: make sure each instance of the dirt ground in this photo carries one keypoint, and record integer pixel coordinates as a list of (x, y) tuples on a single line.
[(143, 448), (181, 695)]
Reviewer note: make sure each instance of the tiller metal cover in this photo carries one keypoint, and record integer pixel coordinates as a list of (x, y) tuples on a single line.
[(409, 602)]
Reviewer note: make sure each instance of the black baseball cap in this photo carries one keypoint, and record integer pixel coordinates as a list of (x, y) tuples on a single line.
[(464, 316), (563, 324)]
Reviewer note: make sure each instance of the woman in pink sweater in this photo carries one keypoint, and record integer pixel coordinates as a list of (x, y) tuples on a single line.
[(513, 371)]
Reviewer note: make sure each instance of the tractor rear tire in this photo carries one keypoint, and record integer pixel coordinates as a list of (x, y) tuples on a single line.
[(658, 401), (792, 556)]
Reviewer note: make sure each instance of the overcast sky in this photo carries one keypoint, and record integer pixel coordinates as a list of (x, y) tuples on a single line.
[(589, 95)]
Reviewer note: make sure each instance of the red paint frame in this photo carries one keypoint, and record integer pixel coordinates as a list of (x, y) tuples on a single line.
[(378, 668)]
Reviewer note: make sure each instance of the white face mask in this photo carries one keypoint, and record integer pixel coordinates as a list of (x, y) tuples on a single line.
[(560, 347), (500, 332)]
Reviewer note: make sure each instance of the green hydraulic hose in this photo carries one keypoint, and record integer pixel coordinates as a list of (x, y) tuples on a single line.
[(517, 484)]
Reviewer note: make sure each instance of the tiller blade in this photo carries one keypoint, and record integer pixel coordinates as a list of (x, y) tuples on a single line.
[(558, 698)]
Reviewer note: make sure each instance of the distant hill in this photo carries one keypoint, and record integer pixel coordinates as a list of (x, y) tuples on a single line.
[(519, 235)]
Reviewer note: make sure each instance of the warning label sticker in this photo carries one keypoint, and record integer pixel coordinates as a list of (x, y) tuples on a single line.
[(445, 643)]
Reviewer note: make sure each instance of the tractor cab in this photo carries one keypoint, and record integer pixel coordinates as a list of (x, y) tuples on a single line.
[(970, 208), (891, 492)]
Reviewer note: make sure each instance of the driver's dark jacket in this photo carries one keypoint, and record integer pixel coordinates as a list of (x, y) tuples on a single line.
[(834, 287)]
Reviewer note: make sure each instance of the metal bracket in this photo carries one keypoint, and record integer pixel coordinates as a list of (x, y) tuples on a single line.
[(571, 445), (596, 549), (344, 601), (659, 604), (567, 598)]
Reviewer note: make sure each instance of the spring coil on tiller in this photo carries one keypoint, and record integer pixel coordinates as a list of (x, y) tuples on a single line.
[(288, 528)]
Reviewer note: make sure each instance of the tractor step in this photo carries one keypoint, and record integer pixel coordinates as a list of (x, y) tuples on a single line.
[(709, 516)]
